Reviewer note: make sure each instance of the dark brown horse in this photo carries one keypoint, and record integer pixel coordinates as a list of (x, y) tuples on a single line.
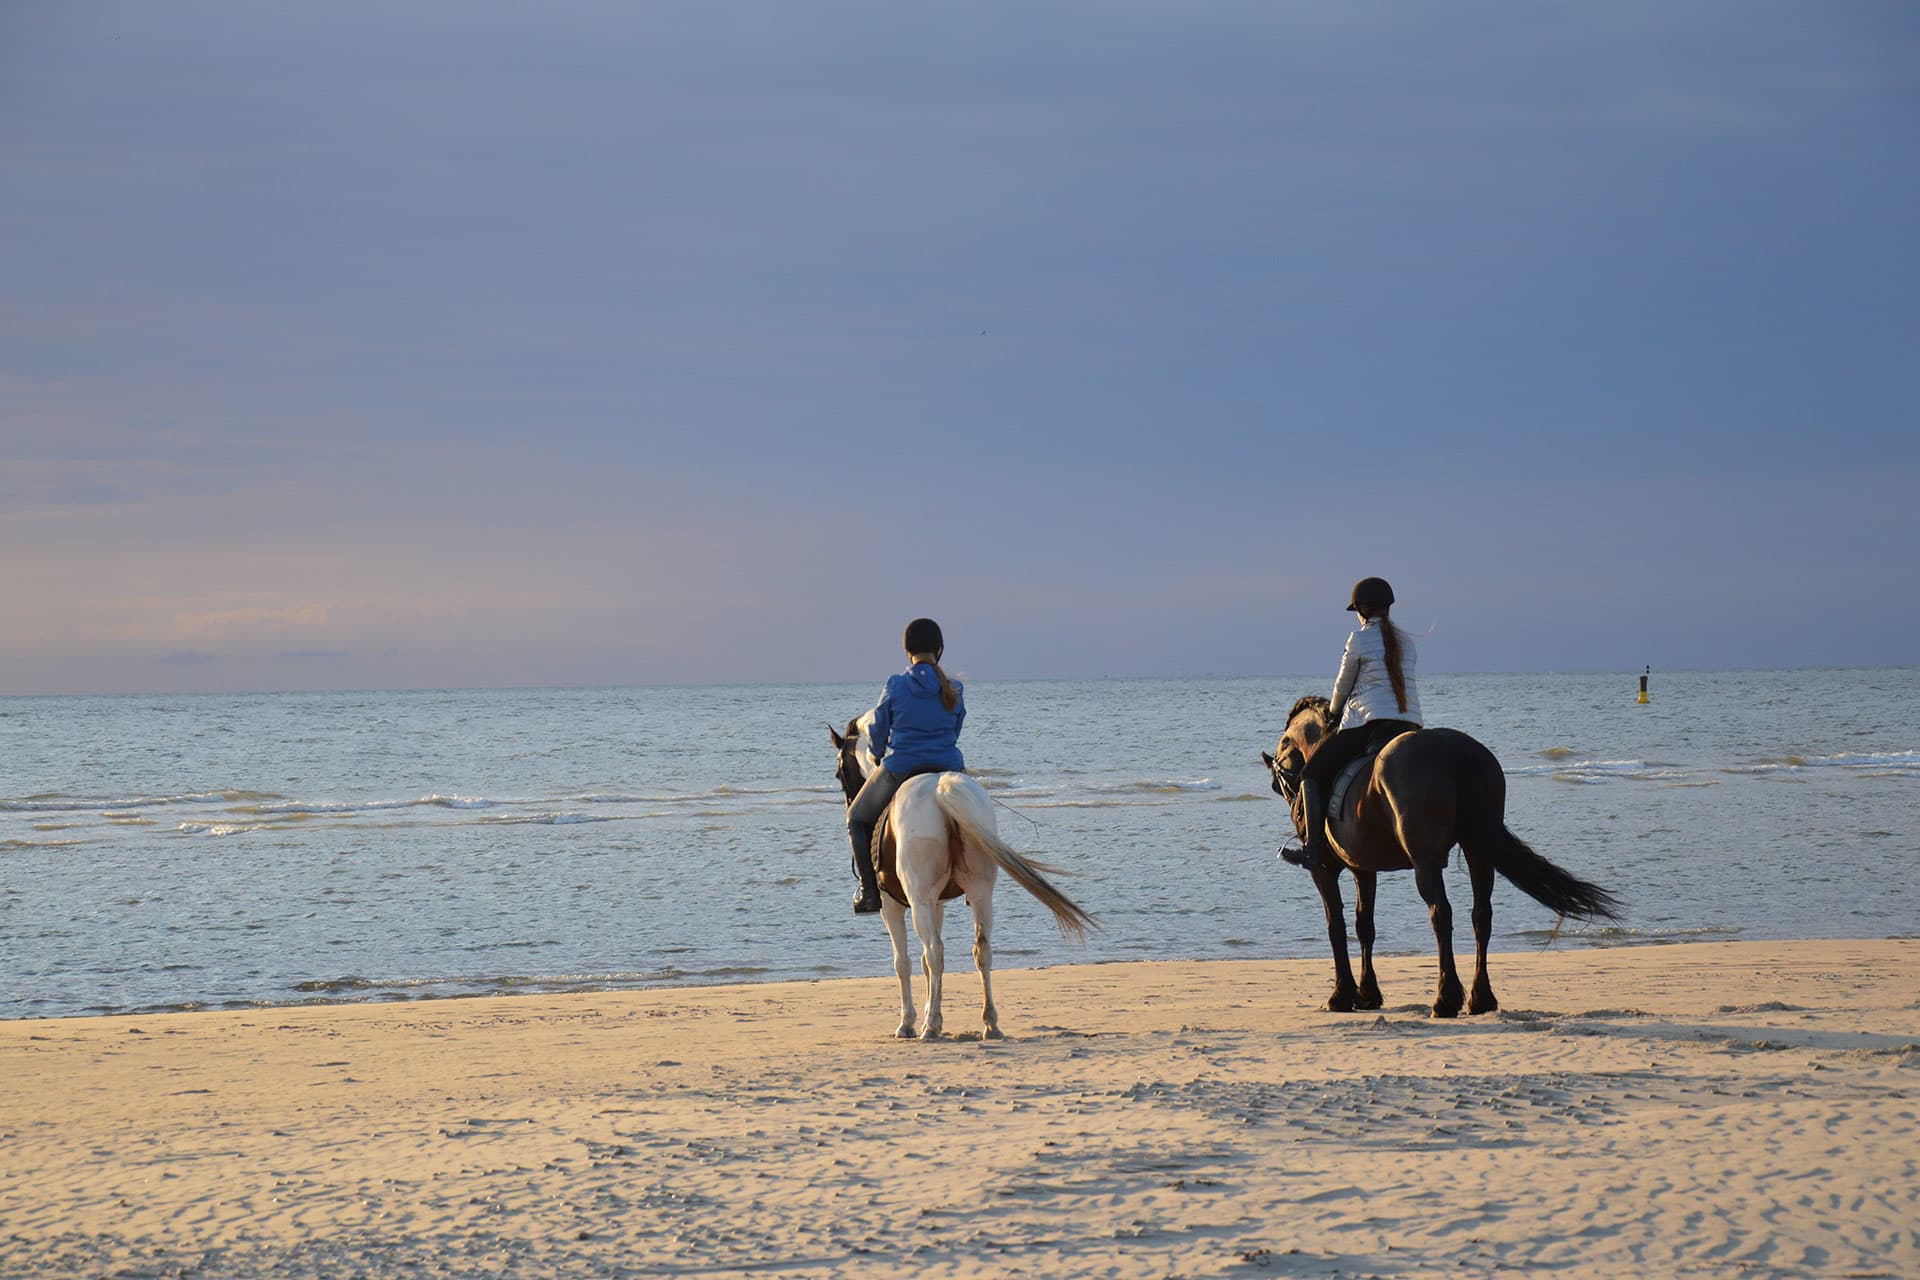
[(1423, 793)]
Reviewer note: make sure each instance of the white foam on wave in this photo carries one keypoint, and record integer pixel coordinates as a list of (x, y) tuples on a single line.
[(298, 807), (1896, 764), (545, 819), (219, 828), (458, 802), (1597, 772)]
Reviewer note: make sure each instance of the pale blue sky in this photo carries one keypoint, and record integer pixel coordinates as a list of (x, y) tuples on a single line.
[(370, 345)]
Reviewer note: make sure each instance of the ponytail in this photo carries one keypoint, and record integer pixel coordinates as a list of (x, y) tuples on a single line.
[(1390, 641), (949, 696)]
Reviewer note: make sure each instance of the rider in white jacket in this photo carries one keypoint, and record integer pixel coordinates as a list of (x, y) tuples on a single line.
[(1374, 699)]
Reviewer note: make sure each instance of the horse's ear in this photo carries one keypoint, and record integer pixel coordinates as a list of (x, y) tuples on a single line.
[(839, 743), (853, 728), (1311, 733), (1267, 758)]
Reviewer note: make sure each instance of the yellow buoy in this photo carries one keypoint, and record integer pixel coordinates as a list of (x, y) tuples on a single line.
[(1642, 699)]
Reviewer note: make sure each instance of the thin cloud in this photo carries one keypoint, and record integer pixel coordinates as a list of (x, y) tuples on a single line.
[(187, 658)]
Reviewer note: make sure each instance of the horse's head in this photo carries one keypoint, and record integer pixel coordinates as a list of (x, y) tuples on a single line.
[(850, 772), (1306, 730)]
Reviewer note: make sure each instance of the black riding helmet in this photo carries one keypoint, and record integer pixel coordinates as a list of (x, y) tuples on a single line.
[(1370, 593), (923, 636)]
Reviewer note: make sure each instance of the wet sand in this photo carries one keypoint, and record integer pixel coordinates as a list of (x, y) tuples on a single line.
[(1712, 1109)]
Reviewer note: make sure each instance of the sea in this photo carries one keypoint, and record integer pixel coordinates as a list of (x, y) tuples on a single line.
[(234, 851)]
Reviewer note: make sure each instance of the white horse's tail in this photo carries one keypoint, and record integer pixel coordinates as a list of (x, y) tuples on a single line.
[(967, 806)]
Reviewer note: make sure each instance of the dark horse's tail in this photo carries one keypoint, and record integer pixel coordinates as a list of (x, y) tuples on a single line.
[(1483, 805)]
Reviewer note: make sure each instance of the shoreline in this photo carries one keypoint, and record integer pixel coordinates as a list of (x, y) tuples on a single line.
[(1677, 1109), (518, 986)]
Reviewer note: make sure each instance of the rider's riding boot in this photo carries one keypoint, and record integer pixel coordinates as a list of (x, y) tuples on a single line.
[(1314, 801), (869, 900)]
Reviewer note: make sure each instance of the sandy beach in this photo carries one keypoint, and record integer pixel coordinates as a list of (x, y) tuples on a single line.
[(1711, 1109)]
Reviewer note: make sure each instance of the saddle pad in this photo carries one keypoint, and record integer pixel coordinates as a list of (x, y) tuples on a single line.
[(1342, 783), (886, 862)]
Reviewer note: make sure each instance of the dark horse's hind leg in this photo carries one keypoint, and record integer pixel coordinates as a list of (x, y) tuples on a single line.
[(1364, 883), (1426, 878), (1326, 878), (1482, 1000)]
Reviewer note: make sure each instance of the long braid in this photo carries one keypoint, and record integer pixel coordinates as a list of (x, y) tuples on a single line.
[(1390, 641)]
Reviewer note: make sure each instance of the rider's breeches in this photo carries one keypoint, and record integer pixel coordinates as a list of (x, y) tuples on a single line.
[(865, 811)]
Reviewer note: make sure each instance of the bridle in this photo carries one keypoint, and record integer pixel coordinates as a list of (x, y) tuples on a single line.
[(848, 773), (1287, 781)]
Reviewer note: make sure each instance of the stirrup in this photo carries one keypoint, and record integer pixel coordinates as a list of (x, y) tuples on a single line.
[(1299, 856)]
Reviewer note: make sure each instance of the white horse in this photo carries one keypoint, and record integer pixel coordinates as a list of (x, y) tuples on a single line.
[(945, 844)]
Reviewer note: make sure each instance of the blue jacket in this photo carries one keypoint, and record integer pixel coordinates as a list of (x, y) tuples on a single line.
[(911, 729)]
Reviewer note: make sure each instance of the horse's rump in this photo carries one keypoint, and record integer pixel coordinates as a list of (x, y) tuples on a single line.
[(886, 859)]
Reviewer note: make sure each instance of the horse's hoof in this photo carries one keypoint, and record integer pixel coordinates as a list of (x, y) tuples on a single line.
[(1340, 1002), (1445, 1011), (905, 1031), (931, 1033), (1369, 998), (992, 1033)]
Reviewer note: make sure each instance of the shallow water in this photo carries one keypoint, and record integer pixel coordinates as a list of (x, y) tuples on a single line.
[(170, 852)]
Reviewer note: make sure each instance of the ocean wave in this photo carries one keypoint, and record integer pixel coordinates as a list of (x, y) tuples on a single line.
[(1162, 786), (621, 798), (220, 828), (1595, 772), (56, 803), (743, 796), (545, 819), (1890, 764), (1613, 935), (296, 808), (350, 988), (448, 802), (281, 808)]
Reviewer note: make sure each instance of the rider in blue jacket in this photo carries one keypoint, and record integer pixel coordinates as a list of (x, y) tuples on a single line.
[(915, 729)]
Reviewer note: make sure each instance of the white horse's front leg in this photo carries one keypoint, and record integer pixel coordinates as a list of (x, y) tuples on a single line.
[(933, 958), (896, 917)]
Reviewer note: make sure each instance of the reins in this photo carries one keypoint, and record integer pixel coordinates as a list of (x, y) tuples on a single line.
[(1003, 804)]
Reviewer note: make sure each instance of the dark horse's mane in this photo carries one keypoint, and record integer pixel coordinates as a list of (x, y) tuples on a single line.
[(1311, 700)]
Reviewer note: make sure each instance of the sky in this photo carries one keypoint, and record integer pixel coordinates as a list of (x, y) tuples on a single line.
[(364, 345)]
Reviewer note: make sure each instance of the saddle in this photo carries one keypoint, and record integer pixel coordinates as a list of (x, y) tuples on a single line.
[(885, 854), (1342, 789), (1343, 798)]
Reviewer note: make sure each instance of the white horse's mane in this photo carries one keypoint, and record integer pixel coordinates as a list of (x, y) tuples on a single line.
[(863, 750)]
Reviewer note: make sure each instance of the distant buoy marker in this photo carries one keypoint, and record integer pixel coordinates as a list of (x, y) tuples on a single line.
[(1642, 699)]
